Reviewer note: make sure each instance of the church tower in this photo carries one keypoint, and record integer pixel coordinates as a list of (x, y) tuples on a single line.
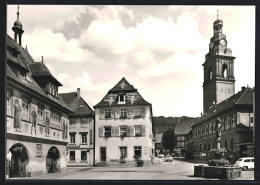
[(18, 29), (219, 80)]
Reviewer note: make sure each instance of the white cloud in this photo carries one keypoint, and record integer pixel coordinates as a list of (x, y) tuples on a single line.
[(55, 47), (42, 16)]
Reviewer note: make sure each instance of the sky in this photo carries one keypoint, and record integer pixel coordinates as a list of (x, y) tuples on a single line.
[(158, 49)]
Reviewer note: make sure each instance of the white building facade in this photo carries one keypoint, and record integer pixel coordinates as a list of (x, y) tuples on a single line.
[(123, 127)]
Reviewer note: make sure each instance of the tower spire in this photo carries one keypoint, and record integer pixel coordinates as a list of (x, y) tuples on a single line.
[(217, 14), (18, 28)]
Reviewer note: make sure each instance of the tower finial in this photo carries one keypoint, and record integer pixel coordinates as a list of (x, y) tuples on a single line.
[(217, 13), (18, 12), (42, 58)]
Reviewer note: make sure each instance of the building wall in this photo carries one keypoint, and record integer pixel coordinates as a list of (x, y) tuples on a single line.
[(77, 127), (224, 89), (113, 143), (226, 136), (57, 131)]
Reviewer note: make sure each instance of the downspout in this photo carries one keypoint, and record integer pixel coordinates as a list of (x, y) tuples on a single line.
[(94, 140)]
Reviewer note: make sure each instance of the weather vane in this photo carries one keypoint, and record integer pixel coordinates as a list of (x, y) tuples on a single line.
[(217, 13)]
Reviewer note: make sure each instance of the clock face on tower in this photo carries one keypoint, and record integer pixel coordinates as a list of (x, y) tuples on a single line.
[(222, 42), (211, 45)]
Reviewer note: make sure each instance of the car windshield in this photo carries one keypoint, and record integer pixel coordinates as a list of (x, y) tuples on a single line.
[(240, 159)]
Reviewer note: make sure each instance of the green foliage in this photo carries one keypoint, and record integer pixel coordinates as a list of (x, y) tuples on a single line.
[(169, 139)]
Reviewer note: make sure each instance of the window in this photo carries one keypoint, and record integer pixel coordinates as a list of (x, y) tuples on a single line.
[(107, 113), (107, 131), (83, 155), (224, 70), (72, 123), (9, 102), (55, 116), (204, 148), (226, 124), (231, 143), (213, 145), (194, 149), (72, 137), (53, 89), (123, 113), (138, 112), (138, 151), (72, 155), (83, 123), (138, 131), (40, 113), (232, 122), (25, 109), (251, 119), (225, 144), (122, 130), (83, 137), (208, 146), (123, 152), (247, 160), (22, 74), (200, 147), (121, 98)]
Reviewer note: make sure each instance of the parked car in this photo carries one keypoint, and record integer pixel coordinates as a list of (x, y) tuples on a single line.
[(168, 158), (245, 163), (161, 156)]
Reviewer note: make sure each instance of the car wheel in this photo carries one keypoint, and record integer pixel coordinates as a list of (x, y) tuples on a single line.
[(244, 168)]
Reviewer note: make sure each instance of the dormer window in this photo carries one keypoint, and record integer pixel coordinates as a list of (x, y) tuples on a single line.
[(22, 74), (121, 99), (53, 89)]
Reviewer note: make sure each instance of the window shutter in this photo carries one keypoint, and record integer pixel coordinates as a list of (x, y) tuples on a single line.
[(132, 131), (101, 132), (112, 113), (130, 113), (143, 111), (143, 130), (101, 114), (112, 131), (117, 113), (128, 131), (117, 131)]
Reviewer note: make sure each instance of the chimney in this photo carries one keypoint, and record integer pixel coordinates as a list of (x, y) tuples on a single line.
[(78, 92), (243, 88)]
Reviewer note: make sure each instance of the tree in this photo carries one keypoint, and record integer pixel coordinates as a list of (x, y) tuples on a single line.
[(169, 140)]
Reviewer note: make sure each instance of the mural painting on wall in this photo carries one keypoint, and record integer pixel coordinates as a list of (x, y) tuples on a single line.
[(17, 118), (34, 117), (64, 129), (47, 125)]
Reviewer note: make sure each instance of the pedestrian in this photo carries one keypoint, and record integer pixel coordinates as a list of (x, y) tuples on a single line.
[(17, 119), (34, 116)]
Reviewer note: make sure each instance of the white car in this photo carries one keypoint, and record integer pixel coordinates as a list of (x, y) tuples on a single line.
[(161, 156), (168, 158), (245, 163)]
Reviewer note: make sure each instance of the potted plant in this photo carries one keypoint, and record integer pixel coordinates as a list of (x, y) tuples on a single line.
[(138, 161), (122, 159)]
